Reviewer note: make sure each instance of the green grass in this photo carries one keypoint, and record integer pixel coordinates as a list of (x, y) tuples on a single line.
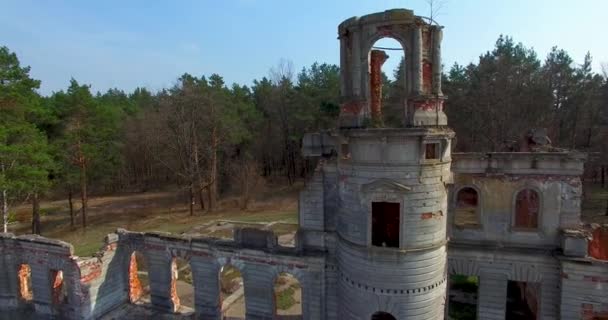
[(462, 311), (284, 299), (464, 283)]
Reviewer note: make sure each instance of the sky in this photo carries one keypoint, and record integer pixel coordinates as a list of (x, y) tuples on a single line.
[(150, 43)]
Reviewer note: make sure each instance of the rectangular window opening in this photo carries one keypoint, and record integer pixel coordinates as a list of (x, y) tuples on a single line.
[(25, 283), (431, 151), (522, 300), (385, 224), (462, 297), (345, 151), (60, 293)]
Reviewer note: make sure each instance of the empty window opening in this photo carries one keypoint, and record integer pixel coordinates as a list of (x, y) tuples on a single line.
[(288, 296), (232, 293), (383, 316), (385, 224), (431, 151), (387, 82), (60, 293), (467, 206), (139, 284), (462, 297), (182, 286), (345, 151), (25, 283), (522, 300), (527, 208)]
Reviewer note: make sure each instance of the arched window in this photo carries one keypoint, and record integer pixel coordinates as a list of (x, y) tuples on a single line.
[(182, 286), (387, 81), (467, 208), (527, 208), (139, 290), (383, 316)]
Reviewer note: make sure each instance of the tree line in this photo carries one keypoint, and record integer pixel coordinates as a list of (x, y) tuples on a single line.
[(210, 139)]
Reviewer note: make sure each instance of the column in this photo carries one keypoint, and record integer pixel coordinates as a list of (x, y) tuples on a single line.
[(417, 62), (492, 296), (259, 292), (159, 273), (41, 288), (9, 288), (377, 59), (437, 37), (205, 274)]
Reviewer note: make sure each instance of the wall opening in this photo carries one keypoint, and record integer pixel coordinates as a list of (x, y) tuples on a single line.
[(522, 300), (288, 296), (232, 293), (387, 81), (431, 151), (139, 284), (182, 286), (25, 283), (467, 206), (527, 208), (385, 224), (462, 297), (383, 316), (60, 292)]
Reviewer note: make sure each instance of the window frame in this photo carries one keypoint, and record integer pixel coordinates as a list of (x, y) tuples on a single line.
[(478, 210), (539, 214)]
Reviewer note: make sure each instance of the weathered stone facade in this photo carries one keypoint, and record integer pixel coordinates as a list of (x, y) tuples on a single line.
[(379, 230)]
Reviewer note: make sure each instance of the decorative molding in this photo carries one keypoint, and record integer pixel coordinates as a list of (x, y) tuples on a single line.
[(386, 184)]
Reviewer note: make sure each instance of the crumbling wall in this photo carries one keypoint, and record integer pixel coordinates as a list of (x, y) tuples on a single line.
[(598, 246), (53, 271), (499, 177), (95, 286), (584, 290)]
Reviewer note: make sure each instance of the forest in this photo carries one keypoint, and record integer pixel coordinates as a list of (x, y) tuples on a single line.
[(207, 138)]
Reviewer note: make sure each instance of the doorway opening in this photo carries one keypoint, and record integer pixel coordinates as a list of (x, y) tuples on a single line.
[(385, 224), (462, 297), (522, 300)]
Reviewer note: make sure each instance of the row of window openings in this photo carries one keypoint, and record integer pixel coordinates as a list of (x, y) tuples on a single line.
[(463, 295), (527, 209), (287, 289), (431, 151), (26, 294)]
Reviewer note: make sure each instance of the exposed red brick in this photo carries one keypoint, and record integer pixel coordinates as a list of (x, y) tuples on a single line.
[(352, 107), (174, 296), (58, 293), (427, 76), (135, 288), (598, 247), (25, 278), (426, 215), (377, 59)]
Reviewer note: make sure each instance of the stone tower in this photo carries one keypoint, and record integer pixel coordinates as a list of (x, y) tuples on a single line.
[(390, 227)]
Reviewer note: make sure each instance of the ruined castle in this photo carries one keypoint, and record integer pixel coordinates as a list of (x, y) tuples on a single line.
[(389, 217)]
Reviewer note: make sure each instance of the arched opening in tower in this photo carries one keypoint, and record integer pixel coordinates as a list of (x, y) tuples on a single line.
[(139, 284), (182, 286), (383, 316), (387, 85), (288, 296), (232, 293)]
